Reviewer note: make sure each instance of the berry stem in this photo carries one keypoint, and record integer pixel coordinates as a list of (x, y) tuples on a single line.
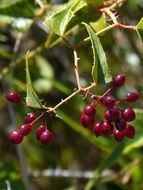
[(106, 92)]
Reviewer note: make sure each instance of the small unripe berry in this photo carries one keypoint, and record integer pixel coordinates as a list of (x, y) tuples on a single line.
[(25, 129), (40, 130), (120, 124), (118, 135), (13, 97), (15, 137), (85, 120), (98, 128), (29, 118), (46, 137), (132, 96), (130, 131), (112, 114), (90, 110), (119, 80), (108, 101), (128, 114)]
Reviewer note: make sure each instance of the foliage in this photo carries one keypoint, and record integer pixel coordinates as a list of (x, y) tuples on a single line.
[(49, 52)]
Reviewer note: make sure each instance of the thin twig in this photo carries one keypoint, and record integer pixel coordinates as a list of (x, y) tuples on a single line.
[(76, 59)]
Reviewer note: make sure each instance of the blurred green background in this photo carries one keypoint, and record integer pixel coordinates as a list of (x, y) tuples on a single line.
[(111, 165)]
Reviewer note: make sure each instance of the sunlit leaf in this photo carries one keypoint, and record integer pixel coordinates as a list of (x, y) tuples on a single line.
[(100, 70), (8, 3), (59, 20), (139, 28), (32, 99), (100, 24)]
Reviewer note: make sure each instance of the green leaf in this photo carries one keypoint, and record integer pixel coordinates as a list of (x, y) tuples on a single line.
[(95, 3), (100, 70), (17, 9), (7, 3), (139, 28), (89, 136), (45, 68), (100, 24), (137, 141), (20, 24), (32, 99), (58, 20), (42, 85), (105, 163)]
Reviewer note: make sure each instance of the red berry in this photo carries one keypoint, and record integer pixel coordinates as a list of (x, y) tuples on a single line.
[(15, 137), (40, 130), (85, 120), (13, 97), (112, 114), (108, 101), (108, 128), (130, 131), (118, 135), (128, 114), (29, 118), (132, 96), (25, 129), (46, 137), (90, 110), (98, 129), (119, 80), (120, 125)]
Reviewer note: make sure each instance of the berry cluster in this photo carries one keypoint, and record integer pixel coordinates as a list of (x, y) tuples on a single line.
[(115, 120), (16, 137)]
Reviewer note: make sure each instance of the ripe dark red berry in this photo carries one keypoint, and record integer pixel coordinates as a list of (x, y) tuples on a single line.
[(29, 118), (108, 101), (108, 128), (90, 110), (98, 128), (128, 114), (15, 137), (112, 114), (46, 137), (120, 125), (13, 97), (130, 131), (40, 130), (85, 120), (25, 129), (119, 80), (119, 135), (132, 96)]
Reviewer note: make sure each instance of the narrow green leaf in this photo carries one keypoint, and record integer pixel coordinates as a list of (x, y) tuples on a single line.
[(105, 164), (139, 28), (58, 20), (32, 99), (100, 70), (89, 136)]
